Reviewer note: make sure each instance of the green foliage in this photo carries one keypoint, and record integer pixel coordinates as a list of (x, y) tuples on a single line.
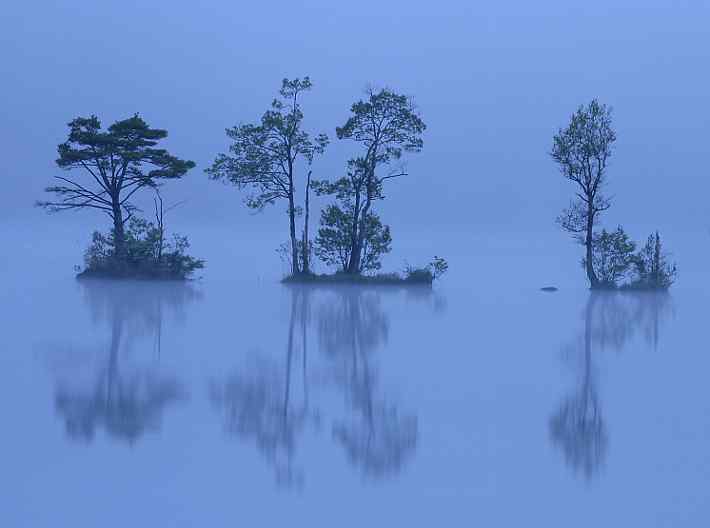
[(617, 263), (653, 270), (438, 266), (387, 123), (146, 255), (262, 157), (334, 241), (612, 256), (427, 274), (117, 163), (582, 151)]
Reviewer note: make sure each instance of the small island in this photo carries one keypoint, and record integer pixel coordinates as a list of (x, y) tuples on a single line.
[(263, 158), (117, 164), (411, 276)]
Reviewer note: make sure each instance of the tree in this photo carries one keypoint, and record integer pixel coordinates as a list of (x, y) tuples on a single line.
[(334, 242), (652, 267), (146, 253), (582, 151), (612, 256), (117, 164), (263, 157), (386, 125)]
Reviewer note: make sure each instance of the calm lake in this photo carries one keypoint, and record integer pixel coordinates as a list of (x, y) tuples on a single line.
[(227, 402)]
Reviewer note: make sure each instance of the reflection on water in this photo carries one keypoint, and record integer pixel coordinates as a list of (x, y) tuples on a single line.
[(272, 405), (376, 436), (126, 402), (611, 320), (258, 405)]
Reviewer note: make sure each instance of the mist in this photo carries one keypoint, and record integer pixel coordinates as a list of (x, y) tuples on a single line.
[(235, 398)]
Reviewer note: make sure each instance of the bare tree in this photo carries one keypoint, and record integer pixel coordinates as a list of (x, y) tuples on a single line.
[(263, 157), (117, 163), (160, 211), (582, 151)]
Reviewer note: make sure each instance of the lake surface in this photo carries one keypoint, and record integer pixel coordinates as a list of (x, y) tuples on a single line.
[(245, 402)]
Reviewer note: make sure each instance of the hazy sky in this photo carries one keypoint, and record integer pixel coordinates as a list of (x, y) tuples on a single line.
[(493, 81)]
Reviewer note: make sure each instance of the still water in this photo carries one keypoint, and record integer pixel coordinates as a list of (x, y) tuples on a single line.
[(224, 403)]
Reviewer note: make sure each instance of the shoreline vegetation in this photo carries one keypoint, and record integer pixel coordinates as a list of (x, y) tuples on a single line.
[(412, 276)]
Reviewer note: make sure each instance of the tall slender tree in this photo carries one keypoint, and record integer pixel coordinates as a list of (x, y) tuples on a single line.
[(263, 157), (582, 150), (386, 125), (117, 163)]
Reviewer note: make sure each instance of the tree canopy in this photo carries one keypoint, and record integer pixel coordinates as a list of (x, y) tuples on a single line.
[(582, 151), (386, 125), (116, 163), (262, 157)]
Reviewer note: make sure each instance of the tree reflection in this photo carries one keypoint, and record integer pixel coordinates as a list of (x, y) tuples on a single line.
[(611, 320), (125, 402), (269, 403), (377, 437), (258, 405)]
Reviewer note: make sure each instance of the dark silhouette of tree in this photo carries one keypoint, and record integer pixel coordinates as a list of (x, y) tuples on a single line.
[(126, 403), (263, 158), (334, 242), (653, 269), (386, 125), (582, 150), (612, 256), (116, 163)]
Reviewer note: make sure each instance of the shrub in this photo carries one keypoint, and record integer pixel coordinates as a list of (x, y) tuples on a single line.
[(653, 271), (432, 271), (148, 254), (334, 238), (612, 256)]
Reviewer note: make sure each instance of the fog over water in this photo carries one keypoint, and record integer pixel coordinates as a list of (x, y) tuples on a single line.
[(224, 400), (235, 399)]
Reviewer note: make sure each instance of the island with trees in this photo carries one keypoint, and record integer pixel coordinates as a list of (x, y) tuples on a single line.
[(108, 167), (582, 152), (274, 159)]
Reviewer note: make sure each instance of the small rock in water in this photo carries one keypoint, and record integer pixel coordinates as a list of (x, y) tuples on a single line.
[(549, 289)]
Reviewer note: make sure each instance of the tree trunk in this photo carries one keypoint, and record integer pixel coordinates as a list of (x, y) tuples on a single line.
[(591, 275), (119, 237), (356, 255), (353, 266), (361, 222), (305, 249), (292, 226)]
